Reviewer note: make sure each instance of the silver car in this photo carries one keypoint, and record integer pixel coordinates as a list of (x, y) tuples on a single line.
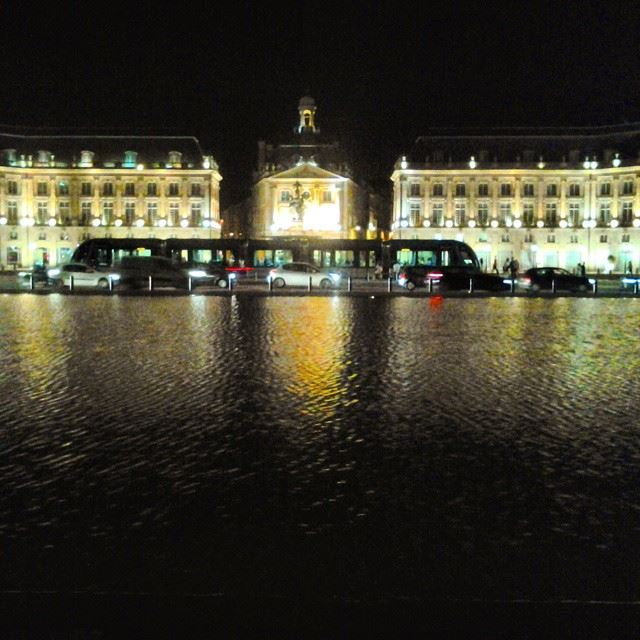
[(83, 275), (297, 274)]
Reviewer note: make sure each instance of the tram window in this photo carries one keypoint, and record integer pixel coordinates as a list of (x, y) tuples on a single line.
[(466, 257), (281, 256), (103, 256), (202, 255), (229, 258), (271, 258), (425, 257), (372, 259), (406, 256), (344, 258)]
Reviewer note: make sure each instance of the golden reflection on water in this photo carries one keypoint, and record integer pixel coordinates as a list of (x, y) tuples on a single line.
[(308, 342), (31, 326)]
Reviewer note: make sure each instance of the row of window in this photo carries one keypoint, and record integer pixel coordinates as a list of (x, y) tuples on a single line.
[(551, 238), (576, 189), (506, 215), (44, 157), (108, 189), (87, 212)]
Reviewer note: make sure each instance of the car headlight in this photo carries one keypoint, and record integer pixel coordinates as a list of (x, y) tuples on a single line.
[(114, 276), (592, 281), (52, 273), (233, 276), (335, 276), (198, 273), (23, 274)]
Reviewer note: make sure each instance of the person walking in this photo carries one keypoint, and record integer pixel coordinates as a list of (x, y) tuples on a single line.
[(495, 266)]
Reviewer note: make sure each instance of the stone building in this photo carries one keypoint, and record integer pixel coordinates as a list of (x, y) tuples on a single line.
[(305, 186), (56, 191), (547, 197)]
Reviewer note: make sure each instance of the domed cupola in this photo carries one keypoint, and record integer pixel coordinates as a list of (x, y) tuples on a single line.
[(307, 111)]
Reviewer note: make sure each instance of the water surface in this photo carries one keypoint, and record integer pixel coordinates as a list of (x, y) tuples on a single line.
[(331, 447)]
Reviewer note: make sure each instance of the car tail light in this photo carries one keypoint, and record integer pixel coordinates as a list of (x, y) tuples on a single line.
[(525, 281), (434, 275)]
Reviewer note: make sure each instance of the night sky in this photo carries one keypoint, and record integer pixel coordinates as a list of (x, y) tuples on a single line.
[(232, 73)]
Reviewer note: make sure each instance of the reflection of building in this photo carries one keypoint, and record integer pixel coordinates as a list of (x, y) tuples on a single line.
[(305, 187), (547, 197), (58, 190)]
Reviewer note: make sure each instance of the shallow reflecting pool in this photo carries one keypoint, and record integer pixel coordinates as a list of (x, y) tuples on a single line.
[(349, 447)]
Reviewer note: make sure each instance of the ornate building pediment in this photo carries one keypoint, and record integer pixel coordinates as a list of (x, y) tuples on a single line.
[(306, 171)]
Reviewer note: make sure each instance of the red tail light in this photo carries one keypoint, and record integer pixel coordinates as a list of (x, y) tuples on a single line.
[(434, 275)]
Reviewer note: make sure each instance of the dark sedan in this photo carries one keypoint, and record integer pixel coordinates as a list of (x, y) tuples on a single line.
[(446, 278), (541, 278)]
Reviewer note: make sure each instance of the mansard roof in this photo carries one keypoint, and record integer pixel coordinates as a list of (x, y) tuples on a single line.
[(526, 146), (107, 149)]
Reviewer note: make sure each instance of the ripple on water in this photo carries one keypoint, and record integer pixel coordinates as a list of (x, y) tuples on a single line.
[(483, 446)]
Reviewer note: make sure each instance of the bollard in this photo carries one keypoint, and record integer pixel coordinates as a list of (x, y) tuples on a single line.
[(150, 283), (70, 283), (230, 284), (635, 288), (349, 283), (470, 285), (110, 281), (190, 285), (31, 283), (512, 285), (553, 285), (309, 289), (270, 283), (430, 285), (389, 284), (595, 286)]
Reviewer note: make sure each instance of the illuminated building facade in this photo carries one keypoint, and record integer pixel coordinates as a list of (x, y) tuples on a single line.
[(56, 191), (305, 187), (545, 197)]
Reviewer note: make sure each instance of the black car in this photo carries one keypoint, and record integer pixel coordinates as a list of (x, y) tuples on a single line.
[(135, 272), (450, 278), (541, 278), (207, 273)]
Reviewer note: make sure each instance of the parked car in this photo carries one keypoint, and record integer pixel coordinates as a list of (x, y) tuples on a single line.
[(296, 274), (446, 278), (207, 273), (39, 274), (540, 278), (135, 271), (83, 275)]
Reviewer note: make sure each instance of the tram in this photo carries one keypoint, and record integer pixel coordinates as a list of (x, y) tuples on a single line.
[(358, 258)]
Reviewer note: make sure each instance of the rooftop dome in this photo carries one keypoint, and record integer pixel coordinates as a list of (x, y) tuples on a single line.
[(307, 101)]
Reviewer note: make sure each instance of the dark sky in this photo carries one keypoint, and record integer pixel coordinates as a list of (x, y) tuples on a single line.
[(232, 73)]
